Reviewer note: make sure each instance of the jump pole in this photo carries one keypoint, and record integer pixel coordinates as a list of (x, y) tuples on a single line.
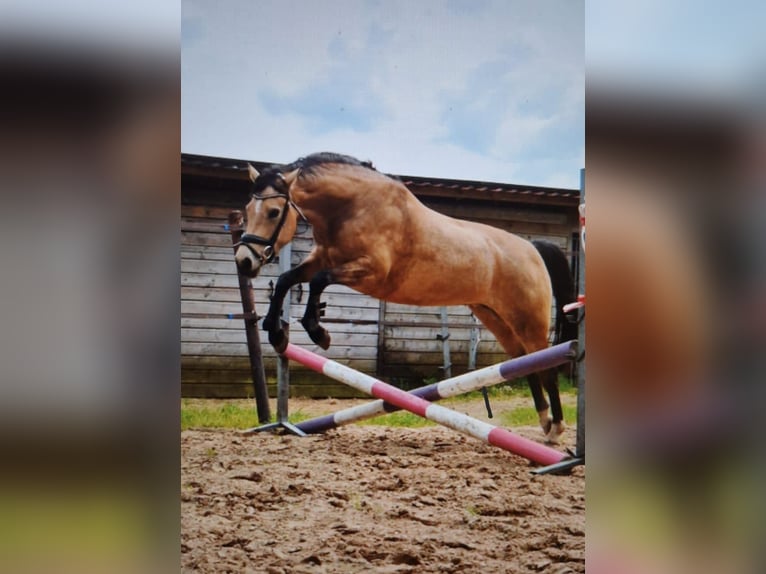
[(457, 421), (471, 381)]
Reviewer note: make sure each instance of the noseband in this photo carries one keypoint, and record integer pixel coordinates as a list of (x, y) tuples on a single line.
[(269, 252)]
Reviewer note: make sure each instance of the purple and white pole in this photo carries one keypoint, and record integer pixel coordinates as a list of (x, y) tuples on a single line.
[(472, 381), (486, 432)]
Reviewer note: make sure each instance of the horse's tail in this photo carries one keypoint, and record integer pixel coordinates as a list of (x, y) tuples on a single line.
[(563, 286)]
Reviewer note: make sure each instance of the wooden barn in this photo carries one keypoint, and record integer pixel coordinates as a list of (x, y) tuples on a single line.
[(401, 344)]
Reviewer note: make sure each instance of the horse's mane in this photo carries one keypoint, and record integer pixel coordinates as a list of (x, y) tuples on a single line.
[(269, 177), (309, 162)]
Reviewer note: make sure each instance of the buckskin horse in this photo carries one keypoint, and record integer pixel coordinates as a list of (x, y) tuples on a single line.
[(374, 236)]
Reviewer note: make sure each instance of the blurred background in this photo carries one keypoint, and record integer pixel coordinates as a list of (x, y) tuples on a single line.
[(89, 203), (676, 285)]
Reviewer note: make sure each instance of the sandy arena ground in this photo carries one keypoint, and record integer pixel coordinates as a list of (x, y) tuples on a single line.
[(374, 499)]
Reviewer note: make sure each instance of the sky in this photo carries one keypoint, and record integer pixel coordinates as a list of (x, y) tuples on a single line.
[(481, 90)]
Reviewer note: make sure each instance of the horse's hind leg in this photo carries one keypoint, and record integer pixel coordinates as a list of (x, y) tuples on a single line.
[(541, 405), (513, 345), (550, 383)]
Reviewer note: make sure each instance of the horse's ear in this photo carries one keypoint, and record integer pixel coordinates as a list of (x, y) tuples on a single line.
[(252, 172), (291, 176)]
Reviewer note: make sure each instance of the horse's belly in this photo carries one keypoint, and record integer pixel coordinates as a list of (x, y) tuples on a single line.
[(425, 292)]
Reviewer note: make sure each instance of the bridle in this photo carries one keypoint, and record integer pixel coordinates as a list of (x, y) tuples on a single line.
[(249, 239)]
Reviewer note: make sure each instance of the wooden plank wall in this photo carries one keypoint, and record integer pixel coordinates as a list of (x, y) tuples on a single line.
[(403, 350), (412, 352), (214, 357)]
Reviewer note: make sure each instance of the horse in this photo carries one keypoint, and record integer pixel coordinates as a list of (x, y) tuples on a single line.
[(374, 236)]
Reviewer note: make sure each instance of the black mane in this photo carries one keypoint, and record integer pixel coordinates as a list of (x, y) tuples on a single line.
[(307, 163), (269, 177)]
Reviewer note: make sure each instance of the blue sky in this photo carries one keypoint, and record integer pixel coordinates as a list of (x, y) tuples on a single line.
[(488, 90)]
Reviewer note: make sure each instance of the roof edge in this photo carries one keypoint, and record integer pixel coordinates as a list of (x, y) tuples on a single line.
[(238, 169)]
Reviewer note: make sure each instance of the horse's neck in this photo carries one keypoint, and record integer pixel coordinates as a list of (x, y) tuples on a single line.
[(327, 204), (311, 207)]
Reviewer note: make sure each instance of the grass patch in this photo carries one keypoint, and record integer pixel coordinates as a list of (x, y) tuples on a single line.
[(526, 416), (228, 415), (196, 414), (512, 389), (224, 416), (399, 419), (520, 416), (472, 511)]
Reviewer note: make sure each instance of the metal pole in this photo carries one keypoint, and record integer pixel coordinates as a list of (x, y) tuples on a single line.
[(283, 364), (579, 458), (444, 338), (380, 357), (473, 349), (251, 328)]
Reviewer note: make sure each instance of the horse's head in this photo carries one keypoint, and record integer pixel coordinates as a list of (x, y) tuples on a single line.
[(272, 219)]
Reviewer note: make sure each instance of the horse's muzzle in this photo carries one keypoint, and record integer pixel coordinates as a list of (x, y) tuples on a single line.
[(247, 263)]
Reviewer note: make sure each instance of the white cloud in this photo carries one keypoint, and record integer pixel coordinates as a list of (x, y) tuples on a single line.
[(515, 132), (400, 65)]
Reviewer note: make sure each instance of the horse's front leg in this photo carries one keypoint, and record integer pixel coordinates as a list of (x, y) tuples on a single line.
[(272, 321), (350, 274), (313, 311)]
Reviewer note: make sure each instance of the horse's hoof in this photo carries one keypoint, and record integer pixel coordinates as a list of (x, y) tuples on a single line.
[(555, 432), (325, 341), (546, 423), (278, 340), (321, 337)]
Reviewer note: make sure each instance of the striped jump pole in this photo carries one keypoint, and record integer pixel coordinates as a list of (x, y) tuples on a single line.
[(472, 381), (462, 423)]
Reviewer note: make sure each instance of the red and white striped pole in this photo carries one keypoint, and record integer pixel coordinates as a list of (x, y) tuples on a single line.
[(486, 432)]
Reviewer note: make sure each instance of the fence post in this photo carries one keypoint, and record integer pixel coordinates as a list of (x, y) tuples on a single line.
[(283, 364), (251, 328), (579, 455), (444, 338), (283, 367), (473, 348)]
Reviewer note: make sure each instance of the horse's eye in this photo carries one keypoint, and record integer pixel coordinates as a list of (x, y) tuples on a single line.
[(273, 213)]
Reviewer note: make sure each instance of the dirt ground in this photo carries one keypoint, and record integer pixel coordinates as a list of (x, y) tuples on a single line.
[(374, 499)]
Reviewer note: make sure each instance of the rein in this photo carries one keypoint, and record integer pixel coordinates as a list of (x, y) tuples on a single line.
[(249, 239)]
